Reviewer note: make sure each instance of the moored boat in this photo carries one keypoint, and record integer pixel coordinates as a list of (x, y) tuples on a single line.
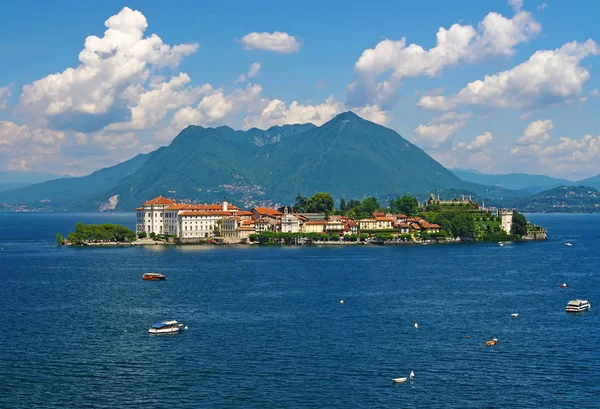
[(578, 306), (153, 276), (398, 380), (166, 327)]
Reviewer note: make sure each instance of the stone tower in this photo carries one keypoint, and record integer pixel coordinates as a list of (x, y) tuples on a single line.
[(507, 219)]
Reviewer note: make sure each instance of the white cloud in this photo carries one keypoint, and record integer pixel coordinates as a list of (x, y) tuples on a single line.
[(278, 42), (517, 5), (476, 144), (149, 107), (542, 6), (435, 135), (393, 60), (90, 96), (524, 116), (252, 72), (277, 112), (595, 93), (372, 113), (547, 77), (536, 132), (5, 93), (216, 106)]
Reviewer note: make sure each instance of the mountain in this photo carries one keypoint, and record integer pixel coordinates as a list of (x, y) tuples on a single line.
[(512, 181), (562, 199), (347, 157), (67, 189), (25, 178), (593, 182), (8, 186)]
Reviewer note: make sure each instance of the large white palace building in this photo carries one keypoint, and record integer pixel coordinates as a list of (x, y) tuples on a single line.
[(165, 216)]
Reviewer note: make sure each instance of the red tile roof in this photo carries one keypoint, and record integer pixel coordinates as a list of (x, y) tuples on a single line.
[(159, 201), (201, 207), (267, 211), (317, 222), (382, 219)]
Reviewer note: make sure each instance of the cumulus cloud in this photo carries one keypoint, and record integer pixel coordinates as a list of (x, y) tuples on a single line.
[(5, 93), (252, 72), (476, 144), (595, 93), (278, 42), (394, 60), (90, 96), (524, 116), (547, 77), (217, 105), (438, 131), (517, 5), (536, 132), (277, 112)]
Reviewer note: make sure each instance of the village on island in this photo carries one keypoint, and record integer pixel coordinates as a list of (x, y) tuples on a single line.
[(314, 220)]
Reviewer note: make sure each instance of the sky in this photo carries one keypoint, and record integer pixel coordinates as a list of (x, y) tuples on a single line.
[(496, 86)]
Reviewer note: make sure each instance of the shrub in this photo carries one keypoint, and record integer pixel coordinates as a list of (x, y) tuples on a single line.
[(142, 235)]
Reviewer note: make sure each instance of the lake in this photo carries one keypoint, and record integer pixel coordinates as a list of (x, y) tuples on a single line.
[(267, 329)]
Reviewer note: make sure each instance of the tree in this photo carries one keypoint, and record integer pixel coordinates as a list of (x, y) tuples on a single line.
[(60, 240), (407, 205), (334, 237), (142, 235), (343, 205), (519, 224), (320, 203), (301, 202)]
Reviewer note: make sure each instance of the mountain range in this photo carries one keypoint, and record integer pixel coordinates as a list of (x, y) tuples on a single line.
[(348, 157)]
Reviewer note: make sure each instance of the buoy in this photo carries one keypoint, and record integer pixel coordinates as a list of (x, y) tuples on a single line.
[(186, 327), (416, 325), (341, 301), (412, 375)]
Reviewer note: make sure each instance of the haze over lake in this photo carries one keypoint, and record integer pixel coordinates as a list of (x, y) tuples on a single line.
[(266, 328)]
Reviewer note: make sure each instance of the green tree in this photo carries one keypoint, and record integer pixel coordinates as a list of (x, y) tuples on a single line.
[(60, 240), (407, 205), (334, 237), (320, 203), (142, 235), (301, 202), (519, 224), (343, 205)]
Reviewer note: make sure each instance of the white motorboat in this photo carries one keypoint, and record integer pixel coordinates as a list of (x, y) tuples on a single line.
[(501, 244), (166, 327), (578, 306), (516, 314), (568, 243), (398, 380)]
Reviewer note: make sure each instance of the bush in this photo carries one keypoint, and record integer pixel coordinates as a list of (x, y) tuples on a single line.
[(60, 240), (142, 235), (153, 235)]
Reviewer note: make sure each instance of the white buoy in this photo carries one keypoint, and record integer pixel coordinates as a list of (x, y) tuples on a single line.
[(341, 301), (186, 327), (412, 375), (416, 325)]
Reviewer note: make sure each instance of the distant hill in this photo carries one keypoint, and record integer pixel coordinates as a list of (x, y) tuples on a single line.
[(67, 189), (562, 199), (512, 181), (593, 182), (8, 186), (25, 178)]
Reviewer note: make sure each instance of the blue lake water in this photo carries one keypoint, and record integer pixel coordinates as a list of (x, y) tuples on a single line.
[(266, 328)]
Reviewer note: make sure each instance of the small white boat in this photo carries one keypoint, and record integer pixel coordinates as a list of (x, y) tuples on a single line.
[(568, 243), (412, 375), (516, 314), (341, 301), (578, 306), (398, 380), (416, 325), (166, 327), (501, 244), (563, 285)]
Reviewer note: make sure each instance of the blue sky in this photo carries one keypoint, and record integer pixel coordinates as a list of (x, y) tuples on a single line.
[(505, 87)]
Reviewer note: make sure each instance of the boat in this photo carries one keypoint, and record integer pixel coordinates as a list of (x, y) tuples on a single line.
[(516, 314), (412, 375), (500, 244), (153, 276), (491, 342), (398, 380), (166, 327), (578, 306), (416, 325), (563, 285), (568, 243)]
